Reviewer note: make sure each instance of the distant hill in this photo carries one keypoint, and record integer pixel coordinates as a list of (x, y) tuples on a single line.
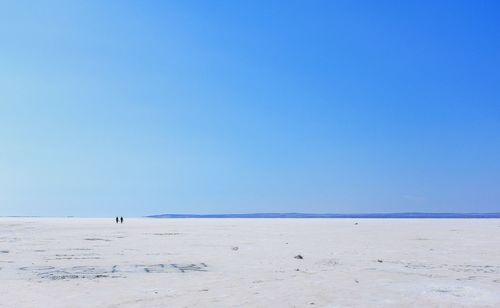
[(309, 215)]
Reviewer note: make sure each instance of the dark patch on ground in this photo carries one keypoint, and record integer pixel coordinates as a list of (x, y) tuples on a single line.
[(116, 271), (97, 239)]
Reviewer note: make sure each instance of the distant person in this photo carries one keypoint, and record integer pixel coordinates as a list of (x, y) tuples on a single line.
[(121, 219), (116, 219)]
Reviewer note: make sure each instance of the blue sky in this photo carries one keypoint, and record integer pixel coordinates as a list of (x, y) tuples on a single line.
[(146, 107)]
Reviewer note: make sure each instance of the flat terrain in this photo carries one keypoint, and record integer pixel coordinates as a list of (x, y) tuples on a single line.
[(249, 262)]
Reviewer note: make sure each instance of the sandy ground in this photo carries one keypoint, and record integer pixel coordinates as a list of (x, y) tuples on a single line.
[(249, 263)]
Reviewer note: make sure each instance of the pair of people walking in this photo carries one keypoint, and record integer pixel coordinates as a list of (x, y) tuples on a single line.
[(119, 220)]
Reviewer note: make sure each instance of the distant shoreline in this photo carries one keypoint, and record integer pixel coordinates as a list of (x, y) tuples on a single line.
[(406, 215), (329, 215)]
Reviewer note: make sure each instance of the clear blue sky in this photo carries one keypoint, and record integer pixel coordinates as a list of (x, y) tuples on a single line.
[(147, 107)]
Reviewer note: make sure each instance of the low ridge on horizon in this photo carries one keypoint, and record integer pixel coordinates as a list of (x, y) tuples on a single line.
[(333, 215)]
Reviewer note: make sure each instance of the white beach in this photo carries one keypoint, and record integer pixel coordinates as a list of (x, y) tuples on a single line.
[(70, 262)]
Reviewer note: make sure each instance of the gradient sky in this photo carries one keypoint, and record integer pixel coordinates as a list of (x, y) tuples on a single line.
[(145, 107)]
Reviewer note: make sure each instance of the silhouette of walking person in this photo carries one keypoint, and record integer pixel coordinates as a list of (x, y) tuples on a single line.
[(116, 219), (121, 219)]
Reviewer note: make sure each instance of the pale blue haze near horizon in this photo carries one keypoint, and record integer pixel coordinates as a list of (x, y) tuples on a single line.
[(147, 107)]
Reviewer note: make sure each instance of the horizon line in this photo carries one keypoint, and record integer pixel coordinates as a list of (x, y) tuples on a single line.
[(294, 215)]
